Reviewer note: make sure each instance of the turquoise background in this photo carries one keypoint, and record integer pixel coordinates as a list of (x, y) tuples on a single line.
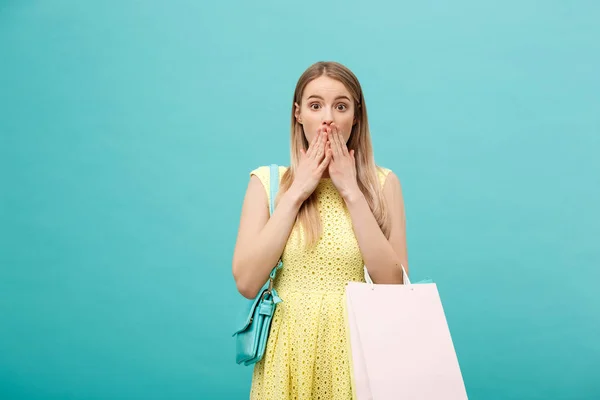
[(128, 129)]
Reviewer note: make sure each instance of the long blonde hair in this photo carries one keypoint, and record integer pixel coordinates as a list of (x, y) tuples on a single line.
[(360, 141)]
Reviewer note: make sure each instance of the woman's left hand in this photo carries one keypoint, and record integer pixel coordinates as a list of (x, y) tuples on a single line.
[(342, 167)]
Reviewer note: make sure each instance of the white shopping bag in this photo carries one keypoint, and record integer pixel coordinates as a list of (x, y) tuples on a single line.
[(400, 343)]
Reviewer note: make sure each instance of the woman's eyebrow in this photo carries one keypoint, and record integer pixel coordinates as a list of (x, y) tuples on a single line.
[(321, 98)]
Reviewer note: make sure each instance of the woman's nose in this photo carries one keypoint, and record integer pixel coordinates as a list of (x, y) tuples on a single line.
[(327, 117)]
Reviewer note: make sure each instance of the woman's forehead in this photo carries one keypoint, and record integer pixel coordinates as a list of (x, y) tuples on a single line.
[(326, 88)]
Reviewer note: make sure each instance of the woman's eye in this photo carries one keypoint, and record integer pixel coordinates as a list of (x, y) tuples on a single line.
[(341, 107), (314, 106)]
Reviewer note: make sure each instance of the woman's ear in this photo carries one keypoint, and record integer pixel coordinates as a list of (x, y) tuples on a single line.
[(297, 113)]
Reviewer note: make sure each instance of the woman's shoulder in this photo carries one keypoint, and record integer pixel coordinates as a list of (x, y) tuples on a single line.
[(263, 172), (267, 168), (383, 170), (383, 173)]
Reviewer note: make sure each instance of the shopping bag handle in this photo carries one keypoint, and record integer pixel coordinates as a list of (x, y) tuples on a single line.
[(405, 279)]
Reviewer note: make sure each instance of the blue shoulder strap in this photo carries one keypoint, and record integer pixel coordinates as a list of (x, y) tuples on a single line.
[(274, 184)]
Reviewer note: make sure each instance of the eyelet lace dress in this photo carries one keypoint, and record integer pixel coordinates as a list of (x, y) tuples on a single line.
[(306, 357)]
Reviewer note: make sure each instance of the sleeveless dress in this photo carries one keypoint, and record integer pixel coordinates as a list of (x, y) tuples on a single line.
[(307, 351)]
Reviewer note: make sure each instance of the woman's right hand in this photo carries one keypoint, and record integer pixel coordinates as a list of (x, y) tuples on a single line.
[(313, 163)]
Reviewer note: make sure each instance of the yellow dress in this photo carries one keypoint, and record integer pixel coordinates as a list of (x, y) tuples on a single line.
[(306, 356)]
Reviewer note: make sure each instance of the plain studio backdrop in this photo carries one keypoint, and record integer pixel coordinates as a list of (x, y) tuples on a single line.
[(129, 128)]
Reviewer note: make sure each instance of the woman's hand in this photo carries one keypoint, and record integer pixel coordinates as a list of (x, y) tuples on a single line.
[(342, 167), (312, 165)]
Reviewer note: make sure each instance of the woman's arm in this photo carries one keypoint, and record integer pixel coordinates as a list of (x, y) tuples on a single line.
[(261, 239), (382, 257)]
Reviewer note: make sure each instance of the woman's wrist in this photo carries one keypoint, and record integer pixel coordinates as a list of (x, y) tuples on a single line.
[(352, 196), (294, 198)]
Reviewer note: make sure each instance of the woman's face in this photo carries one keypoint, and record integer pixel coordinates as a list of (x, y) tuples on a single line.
[(325, 101)]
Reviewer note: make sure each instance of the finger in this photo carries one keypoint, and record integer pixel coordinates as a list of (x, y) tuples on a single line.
[(343, 146), (313, 143), (320, 147), (339, 142), (335, 146), (317, 137), (325, 163), (324, 141)]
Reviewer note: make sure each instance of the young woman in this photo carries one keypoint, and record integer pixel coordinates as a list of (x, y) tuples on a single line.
[(336, 211)]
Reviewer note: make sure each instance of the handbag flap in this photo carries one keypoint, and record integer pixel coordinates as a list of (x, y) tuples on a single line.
[(250, 311)]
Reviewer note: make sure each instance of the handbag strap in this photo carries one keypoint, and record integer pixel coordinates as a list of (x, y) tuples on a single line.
[(274, 184)]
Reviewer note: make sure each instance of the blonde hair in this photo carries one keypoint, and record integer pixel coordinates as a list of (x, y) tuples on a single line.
[(360, 141)]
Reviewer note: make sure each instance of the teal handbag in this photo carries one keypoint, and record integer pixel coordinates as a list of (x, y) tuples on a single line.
[(251, 338)]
